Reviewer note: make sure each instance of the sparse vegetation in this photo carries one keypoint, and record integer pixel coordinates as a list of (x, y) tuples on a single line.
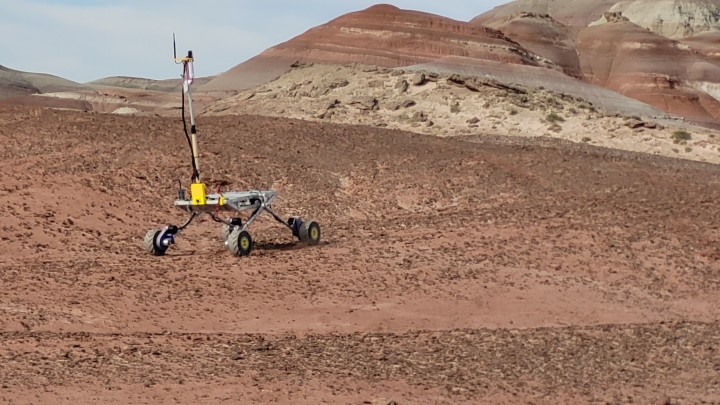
[(554, 118), (555, 127), (688, 149), (681, 136), (586, 139)]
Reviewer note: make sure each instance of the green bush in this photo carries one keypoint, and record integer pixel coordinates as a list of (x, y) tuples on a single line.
[(553, 117), (681, 136)]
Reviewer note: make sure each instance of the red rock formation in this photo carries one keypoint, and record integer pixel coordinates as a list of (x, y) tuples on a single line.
[(385, 35), (707, 43), (544, 36), (635, 62)]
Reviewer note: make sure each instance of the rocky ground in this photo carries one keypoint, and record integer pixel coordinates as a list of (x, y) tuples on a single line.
[(452, 269), (456, 105)]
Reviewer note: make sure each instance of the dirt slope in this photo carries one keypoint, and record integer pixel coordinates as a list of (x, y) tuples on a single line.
[(452, 271)]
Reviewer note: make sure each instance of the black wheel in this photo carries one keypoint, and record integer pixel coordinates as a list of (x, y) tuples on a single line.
[(226, 229), (310, 232), (151, 244), (240, 242)]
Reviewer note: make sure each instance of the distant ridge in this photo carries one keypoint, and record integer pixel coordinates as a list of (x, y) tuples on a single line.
[(166, 85), (15, 83)]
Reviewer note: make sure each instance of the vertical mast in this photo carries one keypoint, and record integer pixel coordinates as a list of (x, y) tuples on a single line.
[(188, 76)]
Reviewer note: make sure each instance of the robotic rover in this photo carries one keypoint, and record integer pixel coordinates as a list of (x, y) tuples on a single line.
[(235, 231)]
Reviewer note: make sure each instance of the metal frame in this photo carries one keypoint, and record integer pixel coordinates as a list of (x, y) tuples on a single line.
[(234, 201)]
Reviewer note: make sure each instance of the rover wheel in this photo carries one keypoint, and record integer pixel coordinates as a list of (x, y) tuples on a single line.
[(226, 229), (151, 245), (310, 232), (240, 242)]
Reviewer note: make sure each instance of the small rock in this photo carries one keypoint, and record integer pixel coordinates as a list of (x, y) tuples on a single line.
[(402, 86), (634, 123), (338, 83), (300, 64), (364, 103), (419, 116), (419, 79), (473, 120), (456, 80)]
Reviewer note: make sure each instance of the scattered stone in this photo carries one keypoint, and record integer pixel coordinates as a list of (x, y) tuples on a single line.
[(338, 83), (473, 120), (615, 17), (397, 72), (634, 123), (419, 79), (419, 116), (332, 104), (456, 80), (300, 64), (402, 104), (402, 86), (367, 103)]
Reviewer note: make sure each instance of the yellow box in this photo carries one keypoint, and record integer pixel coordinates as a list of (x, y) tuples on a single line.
[(197, 193)]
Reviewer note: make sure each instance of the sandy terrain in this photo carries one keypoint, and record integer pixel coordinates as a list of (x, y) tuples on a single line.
[(452, 270)]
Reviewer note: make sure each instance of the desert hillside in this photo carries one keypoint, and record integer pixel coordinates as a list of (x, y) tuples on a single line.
[(451, 105), (594, 42)]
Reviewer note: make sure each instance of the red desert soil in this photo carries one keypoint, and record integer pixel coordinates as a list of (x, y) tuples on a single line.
[(475, 270)]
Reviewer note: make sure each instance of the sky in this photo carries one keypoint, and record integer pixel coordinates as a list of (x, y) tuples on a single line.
[(85, 40)]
